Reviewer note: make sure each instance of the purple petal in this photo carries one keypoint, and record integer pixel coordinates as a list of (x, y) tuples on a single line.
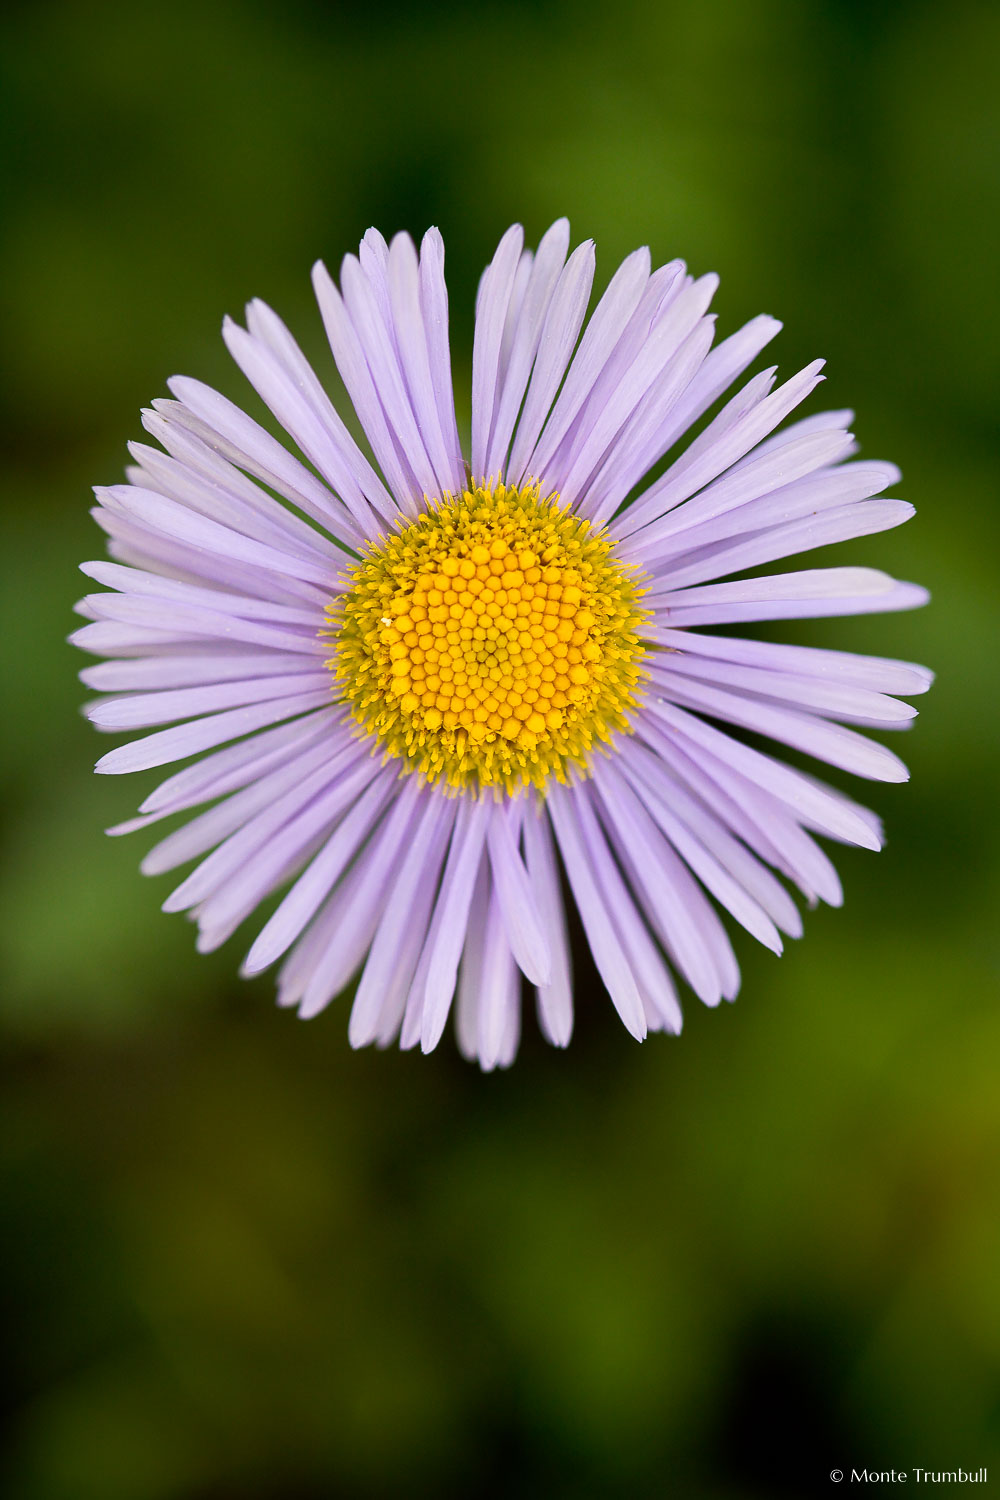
[(269, 863), (516, 898), (874, 673), (153, 673), (353, 472), (656, 989), (807, 802), (697, 809), (499, 998), (351, 932), (753, 812), (564, 808), (682, 918), (800, 595), (713, 875), (439, 961), (415, 357), (830, 742), (210, 828), (639, 445), (175, 520), (184, 623), (736, 488), (643, 369), (836, 699), (525, 335), (706, 459), (723, 365), (491, 312), (367, 297), (204, 734), (349, 355), (221, 424), (315, 436), (555, 999), (470, 972), (434, 305), (563, 322), (385, 982), (842, 523), (605, 328), (236, 765)]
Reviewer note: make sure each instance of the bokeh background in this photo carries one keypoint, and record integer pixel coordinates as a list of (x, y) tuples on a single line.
[(241, 1261)]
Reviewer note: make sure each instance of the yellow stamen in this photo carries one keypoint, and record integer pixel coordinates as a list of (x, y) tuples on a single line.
[(492, 642)]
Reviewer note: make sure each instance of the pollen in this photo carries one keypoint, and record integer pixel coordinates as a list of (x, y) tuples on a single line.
[(492, 642)]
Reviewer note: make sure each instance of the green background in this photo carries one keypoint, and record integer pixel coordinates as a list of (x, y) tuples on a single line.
[(242, 1261)]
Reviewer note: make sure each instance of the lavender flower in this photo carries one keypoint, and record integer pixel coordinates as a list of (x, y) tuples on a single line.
[(415, 688)]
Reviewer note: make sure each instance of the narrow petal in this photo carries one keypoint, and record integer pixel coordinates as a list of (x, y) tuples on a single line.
[(308, 423), (639, 444), (831, 699), (470, 986), (683, 918), (491, 312), (210, 828), (204, 734), (543, 274), (813, 592), (189, 623), (609, 956), (451, 918), (361, 479), (612, 418), (335, 943), (349, 356), (722, 366), (771, 825), (232, 499), (818, 807), (275, 861), (324, 796), (236, 765), (820, 489), (434, 305), (656, 990), (706, 460), (314, 885), (605, 328), (395, 951), (415, 357), (736, 488), (223, 426), (154, 673), (175, 520), (555, 999), (843, 523), (499, 999), (877, 674), (563, 322), (516, 898), (696, 807), (713, 875), (143, 710), (364, 289)]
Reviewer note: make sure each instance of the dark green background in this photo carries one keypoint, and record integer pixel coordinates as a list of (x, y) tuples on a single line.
[(245, 1262)]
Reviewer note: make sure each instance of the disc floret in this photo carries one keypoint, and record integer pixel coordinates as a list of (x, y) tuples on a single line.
[(492, 642)]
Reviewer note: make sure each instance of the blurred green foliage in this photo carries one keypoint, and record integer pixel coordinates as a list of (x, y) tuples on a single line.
[(242, 1261)]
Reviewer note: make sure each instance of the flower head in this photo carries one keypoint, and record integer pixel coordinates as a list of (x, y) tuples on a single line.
[(416, 691)]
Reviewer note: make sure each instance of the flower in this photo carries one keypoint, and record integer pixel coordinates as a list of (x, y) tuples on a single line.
[(412, 688)]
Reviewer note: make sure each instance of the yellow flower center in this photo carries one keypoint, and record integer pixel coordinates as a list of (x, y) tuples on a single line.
[(492, 641)]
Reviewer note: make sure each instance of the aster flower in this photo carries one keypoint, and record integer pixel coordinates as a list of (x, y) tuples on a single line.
[(416, 690)]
